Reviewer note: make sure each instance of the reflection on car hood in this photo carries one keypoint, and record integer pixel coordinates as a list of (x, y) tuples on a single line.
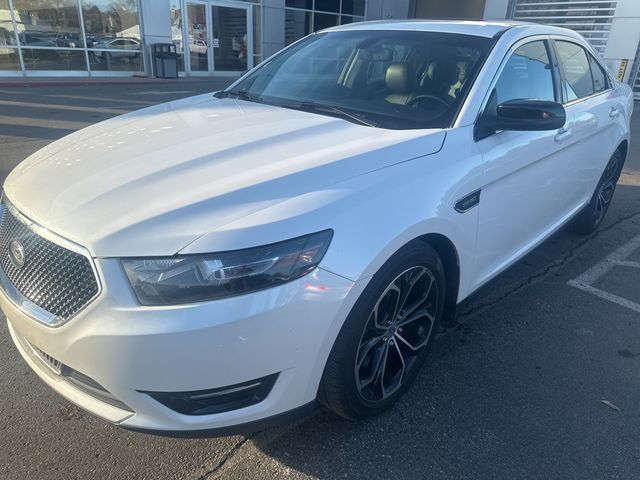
[(152, 181)]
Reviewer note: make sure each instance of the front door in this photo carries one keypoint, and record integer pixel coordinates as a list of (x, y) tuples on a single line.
[(219, 37), (530, 184)]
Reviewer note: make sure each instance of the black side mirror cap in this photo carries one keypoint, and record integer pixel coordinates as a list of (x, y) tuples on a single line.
[(522, 115)]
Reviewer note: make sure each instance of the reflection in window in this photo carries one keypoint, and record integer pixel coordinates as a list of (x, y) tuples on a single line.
[(324, 20), (105, 20), (9, 59), (7, 36), (297, 24), (600, 82), (577, 73), (526, 75), (353, 7), (48, 59), (307, 4), (303, 17), (328, 6), (48, 23), (175, 16)]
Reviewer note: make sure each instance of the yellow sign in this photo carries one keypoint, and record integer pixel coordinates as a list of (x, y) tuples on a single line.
[(622, 69)]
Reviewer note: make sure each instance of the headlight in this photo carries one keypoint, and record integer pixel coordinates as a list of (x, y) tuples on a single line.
[(198, 278)]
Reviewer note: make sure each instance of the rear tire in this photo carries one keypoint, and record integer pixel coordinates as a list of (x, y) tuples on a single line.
[(590, 218), (387, 335)]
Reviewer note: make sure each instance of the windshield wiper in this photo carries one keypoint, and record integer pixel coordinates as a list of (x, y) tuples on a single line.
[(330, 109), (239, 94)]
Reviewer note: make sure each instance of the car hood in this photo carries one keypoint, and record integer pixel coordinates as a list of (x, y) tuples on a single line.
[(153, 181)]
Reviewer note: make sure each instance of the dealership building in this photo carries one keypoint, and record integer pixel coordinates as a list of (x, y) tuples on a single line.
[(227, 37)]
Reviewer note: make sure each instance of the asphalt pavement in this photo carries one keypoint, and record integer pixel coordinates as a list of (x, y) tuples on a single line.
[(538, 378)]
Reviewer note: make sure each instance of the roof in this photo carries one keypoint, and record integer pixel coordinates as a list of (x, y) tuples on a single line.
[(466, 27)]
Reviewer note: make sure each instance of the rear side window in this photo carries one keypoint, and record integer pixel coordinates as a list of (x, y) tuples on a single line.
[(526, 75), (600, 81), (574, 62)]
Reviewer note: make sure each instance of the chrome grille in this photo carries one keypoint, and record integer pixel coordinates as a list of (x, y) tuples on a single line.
[(56, 279)]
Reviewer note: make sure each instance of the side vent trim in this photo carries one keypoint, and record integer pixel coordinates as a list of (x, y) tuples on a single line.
[(468, 202)]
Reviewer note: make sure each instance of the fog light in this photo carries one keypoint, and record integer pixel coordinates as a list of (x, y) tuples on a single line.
[(217, 400)]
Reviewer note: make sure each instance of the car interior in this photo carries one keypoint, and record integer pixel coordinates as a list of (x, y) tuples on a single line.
[(413, 79)]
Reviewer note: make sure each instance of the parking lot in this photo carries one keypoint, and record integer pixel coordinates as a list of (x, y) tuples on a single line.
[(538, 377)]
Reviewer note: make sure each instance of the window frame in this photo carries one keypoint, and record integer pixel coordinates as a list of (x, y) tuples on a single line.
[(592, 61), (590, 56), (555, 75)]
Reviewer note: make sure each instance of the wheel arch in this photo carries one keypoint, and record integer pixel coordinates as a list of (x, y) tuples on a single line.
[(449, 255), (624, 149)]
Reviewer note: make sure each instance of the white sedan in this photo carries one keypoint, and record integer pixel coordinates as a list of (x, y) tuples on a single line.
[(232, 259)]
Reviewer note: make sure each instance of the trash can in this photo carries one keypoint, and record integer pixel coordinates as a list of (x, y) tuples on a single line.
[(165, 60)]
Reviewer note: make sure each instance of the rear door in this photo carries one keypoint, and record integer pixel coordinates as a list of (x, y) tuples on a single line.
[(594, 109), (529, 184)]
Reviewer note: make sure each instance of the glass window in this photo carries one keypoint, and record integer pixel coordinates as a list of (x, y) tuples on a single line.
[(123, 61), (577, 72), (9, 59), (49, 23), (328, 6), (527, 74), (308, 4), (297, 24), (353, 7), (198, 34), (230, 49), (600, 81), (108, 19), (7, 35), (390, 79), (48, 59), (175, 16), (324, 20)]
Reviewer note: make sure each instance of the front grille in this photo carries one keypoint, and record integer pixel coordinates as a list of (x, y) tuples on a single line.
[(56, 279)]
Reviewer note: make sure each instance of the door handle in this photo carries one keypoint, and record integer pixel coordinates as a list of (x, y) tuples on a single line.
[(563, 134), (614, 112)]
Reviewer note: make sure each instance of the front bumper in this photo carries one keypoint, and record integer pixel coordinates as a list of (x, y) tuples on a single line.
[(129, 349)]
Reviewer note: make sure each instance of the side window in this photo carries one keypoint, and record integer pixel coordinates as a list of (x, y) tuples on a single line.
[(577, 71), (526, 75), (600, 81)]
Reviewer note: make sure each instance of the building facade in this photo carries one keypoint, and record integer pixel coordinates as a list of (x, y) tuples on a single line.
[(227, 37), (212, 37)]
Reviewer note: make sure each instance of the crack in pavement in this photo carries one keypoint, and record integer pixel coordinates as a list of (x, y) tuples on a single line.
[(556, 264), (226, 458)]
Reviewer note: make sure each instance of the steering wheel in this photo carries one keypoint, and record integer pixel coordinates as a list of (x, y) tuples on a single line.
[(423, 96)]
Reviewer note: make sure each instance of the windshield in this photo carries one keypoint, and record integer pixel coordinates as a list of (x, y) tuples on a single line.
[(381, 78)]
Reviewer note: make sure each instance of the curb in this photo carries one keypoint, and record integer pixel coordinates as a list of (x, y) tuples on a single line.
[(90, 82)]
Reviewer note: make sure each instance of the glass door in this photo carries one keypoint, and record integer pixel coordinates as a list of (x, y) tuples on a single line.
[(218, 36), (197, 41), (232, 37)]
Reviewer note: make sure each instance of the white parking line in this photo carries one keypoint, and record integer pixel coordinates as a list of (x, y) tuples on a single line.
[(618, 258)]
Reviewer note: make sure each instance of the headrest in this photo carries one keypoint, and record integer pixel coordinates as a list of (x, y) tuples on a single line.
[(400, 78), (443, 72)]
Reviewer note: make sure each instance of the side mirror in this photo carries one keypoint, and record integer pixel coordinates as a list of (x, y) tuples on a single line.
[(521, 115)]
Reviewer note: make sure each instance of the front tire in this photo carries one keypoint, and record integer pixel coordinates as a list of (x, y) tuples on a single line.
[(590, 218), (387, 336)]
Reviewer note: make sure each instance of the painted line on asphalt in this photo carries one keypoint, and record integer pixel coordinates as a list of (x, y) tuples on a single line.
[(618, 258), (158, 92)]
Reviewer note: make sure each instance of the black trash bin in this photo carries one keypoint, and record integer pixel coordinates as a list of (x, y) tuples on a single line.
[(165, 60)]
